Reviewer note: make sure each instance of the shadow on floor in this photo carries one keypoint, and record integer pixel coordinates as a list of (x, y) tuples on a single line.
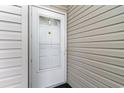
[(66, 85)]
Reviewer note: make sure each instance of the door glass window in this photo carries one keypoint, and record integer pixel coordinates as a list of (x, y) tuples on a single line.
[(49, 41)]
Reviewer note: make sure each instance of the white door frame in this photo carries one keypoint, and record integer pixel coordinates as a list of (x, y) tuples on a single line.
[(24, 46), (30, 40)]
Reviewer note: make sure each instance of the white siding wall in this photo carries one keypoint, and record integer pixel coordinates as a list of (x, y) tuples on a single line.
[(96, 46), (61, 8), (13, 46)]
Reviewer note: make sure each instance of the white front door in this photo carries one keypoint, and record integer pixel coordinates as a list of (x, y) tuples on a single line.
[(48, 48)]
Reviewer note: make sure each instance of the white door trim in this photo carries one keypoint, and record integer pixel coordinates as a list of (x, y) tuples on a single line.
[(25, 45), (30, 40)]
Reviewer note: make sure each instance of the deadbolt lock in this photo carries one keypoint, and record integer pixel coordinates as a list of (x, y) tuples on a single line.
[(49, 33)]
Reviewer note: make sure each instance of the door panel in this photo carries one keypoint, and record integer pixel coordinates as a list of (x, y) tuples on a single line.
[(49, 62), (48, 48)]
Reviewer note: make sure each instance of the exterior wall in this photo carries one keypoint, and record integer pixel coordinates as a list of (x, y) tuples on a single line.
[(13, 46), (96, 46), (56, 8), (62, 8)]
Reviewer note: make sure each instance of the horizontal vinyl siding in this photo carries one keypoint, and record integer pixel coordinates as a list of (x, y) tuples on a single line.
[(55, 8), (95, 46), (11, 47)]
